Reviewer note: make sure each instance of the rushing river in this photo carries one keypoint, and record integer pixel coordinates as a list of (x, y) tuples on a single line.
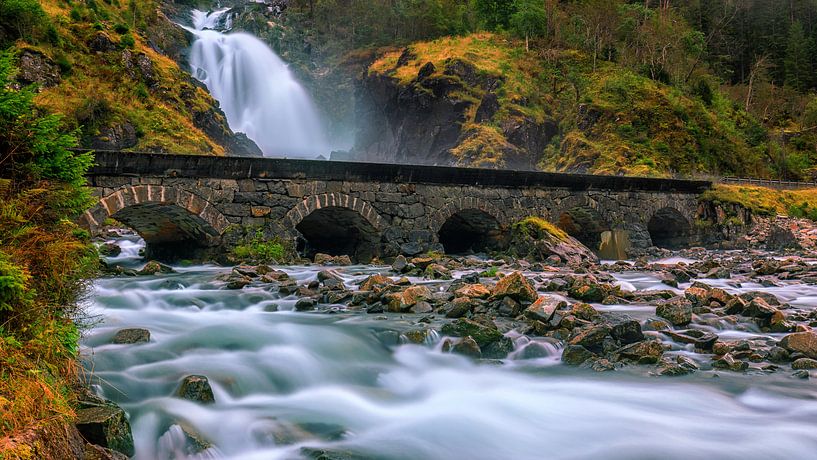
[(288, 384)]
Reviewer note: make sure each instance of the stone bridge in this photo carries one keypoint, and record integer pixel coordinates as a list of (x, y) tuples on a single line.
[(184, 204)]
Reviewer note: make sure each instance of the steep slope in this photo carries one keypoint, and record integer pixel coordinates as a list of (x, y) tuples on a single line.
[(482, 100), (107, 72)]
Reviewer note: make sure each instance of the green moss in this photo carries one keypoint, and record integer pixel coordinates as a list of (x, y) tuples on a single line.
[(765, 201), (537, 228), (259, 249)]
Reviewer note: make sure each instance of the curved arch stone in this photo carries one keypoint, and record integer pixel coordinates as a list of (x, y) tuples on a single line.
[(438, 219), (329, 200), (208, 218)]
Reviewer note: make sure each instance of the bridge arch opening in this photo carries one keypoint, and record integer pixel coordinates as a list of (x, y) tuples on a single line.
[(470, 230), (175, 224), (338, 231), (170, 232), (669, 229), (585, 224)]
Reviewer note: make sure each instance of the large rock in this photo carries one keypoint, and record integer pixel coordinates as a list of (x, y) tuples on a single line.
[(131, 336), (647, 352), (801, 342), (515, 286), (677, 311), (481, 333), (574, 355), (538, 243), (106, 425), (781, 238), (544, 308), (196, 388), (35, 67)]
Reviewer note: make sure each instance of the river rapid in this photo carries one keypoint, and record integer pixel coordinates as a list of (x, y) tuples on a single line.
[(336, 383)]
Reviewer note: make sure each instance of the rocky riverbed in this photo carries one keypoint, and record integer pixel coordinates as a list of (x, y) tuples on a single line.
[(453, 357)]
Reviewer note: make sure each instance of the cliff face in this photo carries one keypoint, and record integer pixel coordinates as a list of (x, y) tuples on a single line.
[(481, 100), (416, 106)]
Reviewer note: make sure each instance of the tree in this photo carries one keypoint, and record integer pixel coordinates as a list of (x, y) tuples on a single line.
[(494, 14), (796, 63), (528, 20)]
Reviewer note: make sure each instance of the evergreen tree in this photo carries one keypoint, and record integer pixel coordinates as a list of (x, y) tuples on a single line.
[(796, 63)]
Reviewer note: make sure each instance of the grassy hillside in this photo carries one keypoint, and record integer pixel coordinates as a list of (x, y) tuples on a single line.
[(611, 120), (114, 84)]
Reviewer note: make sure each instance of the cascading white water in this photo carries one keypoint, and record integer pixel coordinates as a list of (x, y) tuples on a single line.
[(256, 90)]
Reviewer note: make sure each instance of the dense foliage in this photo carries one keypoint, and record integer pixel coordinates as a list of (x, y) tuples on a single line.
[(44, 258)]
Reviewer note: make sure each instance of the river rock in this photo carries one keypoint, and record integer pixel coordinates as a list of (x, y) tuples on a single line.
[(110, 250), (677, 311), (131, 336), (728, 361), (483, 334), (106, 425), (702, 341), (759, 308), (575, 355), (626, 330), (196, 388), (153, 267), (647, 352), (591, 338), (305, 305), (804, 363), (437, 272), (467, 347), (459, 307), (515, 286), (544, 307), (781, 238), (421, 307), (400, 264), (587, 289), (801, 342), (402, 301), (473, 291), (375, 283)]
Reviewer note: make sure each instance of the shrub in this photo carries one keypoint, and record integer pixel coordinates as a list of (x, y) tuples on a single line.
[(259, 249), (127, 41)]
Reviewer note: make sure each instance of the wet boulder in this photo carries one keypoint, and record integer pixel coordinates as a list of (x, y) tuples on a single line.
[(402, 301), (153, 268), (109, 250), (625, 329), (575, 355), (473, 291), (375, 283), (515, 286), (400, 264), (106, 425), (467, 347), (544, 308), (804, 363), (701, 340), (646, 352), (588, 289), (728, 361), (131, 336), (677, 311), (94, 452), (483, 334), (801, 342), (196, 388), (759, 308), (592, 337), (458, 307)]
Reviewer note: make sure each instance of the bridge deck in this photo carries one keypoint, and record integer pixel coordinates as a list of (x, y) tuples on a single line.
[(141, 164)]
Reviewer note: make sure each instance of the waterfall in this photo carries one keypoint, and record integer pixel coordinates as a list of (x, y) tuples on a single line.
[(256, 90)]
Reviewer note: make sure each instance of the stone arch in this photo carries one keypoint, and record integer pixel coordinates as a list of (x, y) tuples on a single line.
[(173, 222), (585, 223), (669, 228), (469, 223), (337, 224)]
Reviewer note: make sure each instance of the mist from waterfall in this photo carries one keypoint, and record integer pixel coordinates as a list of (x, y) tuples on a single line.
[(255, 89)]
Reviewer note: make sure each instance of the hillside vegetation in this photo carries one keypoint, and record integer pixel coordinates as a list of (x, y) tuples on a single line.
[(677, 87), (99, 64)]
